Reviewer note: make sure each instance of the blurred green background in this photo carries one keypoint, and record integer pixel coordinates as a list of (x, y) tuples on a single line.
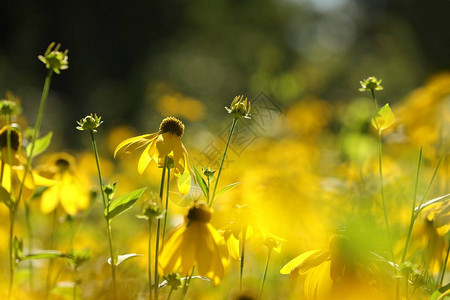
[(126, 57)]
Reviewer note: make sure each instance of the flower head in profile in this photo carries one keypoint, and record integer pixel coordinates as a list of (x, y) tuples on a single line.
[(68, 190), (195, 243), (12, 173), (54, 59), (335, 271), (240, 107), (370, 84), (166, 143), (10, 105), (90, 122), (245, 222)]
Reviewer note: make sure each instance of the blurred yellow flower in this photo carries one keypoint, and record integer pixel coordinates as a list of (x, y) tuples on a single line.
[(245, 221), (195, 243), (68, 191), (159, 145), (334, 273), (12, 175)]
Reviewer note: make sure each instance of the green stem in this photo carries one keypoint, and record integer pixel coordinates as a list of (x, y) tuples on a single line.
[(444, 266), (158, 230), (50, 262), (386, 219), (30, 242), (414, 213), (411, 223), (170, 293), (12, 210), (167, 206), (187, 283), (269, 252), (15, 205), (108, 223), (11, 253), (149, 258), (244, 233), (233, 125)]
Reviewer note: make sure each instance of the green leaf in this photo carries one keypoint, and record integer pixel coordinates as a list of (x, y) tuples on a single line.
[(5, 197), (432, 201), (226, 189), (201, 182), (124, 257), (384, 118), (121, 204), (442, 293), (40, 145), (44, 254)]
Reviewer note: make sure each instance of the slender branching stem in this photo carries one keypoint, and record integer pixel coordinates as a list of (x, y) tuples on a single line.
[(233, 125), (269, 253), (158, 230), (244, 233), (108, 222)]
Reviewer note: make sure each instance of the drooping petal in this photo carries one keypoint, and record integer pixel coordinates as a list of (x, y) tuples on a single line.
[(164, 144), (300, 260), (41, 181), (145, 159), (134, 143), (169, 256), (49, 199), (318, 283), (233, 247), (6, 180)]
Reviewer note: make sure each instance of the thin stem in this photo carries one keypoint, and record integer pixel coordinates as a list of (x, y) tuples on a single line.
[(30, 242), (158, 229), (269, 252), (244, 233), (74, 292), (411, 223), (149, 258), (444, 266), (167, 205), (386, 219), (187, 283), (170, 293), (233, 125), (11, 253), (106, 206), (50, 262)]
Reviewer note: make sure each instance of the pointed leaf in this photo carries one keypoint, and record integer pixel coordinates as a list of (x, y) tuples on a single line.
[(5, 197), (124, 257), (384, 118), (226, 189), (40, 145), (121, 204), (201, 182)]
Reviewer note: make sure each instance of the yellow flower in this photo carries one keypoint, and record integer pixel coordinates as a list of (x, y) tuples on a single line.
[(11, 175), (159, 145), (245, 220), (333, 273), (67, 190), (195, 243)]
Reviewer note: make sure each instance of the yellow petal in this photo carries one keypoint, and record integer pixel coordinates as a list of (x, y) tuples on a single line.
[(299, 260), (318, 282), (69, 199), (41, 181), (164, 144), (49, 199), (6, 180), (383, 119), (233, 247), (134, 143), (144, 160)]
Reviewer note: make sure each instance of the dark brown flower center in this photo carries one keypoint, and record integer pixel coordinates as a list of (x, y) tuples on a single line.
[(172, 125), (199, 213), (15, 138), (62, 163)]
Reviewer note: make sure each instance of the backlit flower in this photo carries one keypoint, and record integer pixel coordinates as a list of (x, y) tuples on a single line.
[(12, 174), (67, 191), (195, 243), (159, 145)]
